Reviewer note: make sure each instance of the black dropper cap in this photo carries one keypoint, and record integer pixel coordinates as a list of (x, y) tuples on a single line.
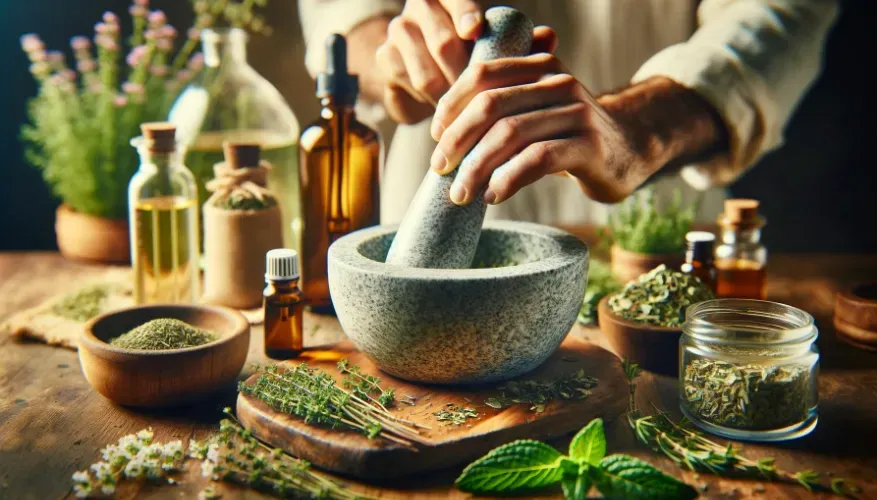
[(335, 82)]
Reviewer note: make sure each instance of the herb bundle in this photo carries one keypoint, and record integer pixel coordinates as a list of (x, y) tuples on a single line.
[(747, 396), (601, 282), (81, 119), (639, 226), (526, 465), (691, 450), (364, 385), (312, 394), (456, 415), (538, 393), (659, 297), (161, 334)]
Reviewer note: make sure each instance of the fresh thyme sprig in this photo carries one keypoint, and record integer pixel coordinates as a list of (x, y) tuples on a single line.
[(234, 455), (312, 394), (363, 384), (691, 450)]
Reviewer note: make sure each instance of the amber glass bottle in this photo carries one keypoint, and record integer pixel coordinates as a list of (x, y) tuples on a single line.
[(340, 166), (741, 259), (699, 257), (284, 333)]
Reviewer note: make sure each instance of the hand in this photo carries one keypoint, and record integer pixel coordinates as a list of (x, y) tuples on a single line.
[(424, 53), (523, 119)]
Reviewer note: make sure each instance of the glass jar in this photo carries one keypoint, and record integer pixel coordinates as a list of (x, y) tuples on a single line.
[(748, 369), (230, 101)]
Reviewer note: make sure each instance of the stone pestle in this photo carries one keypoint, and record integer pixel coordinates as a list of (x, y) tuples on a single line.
[(436, 233)]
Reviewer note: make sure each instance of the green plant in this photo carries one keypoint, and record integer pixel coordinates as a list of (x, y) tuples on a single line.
[(691, 450), (601, 282), (82, 119), (639, 226), (528, 465)]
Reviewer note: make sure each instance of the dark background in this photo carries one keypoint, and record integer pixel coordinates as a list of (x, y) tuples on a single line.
[(816, 192)]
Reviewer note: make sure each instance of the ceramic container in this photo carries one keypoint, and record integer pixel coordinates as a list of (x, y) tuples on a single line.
[(460, 326)]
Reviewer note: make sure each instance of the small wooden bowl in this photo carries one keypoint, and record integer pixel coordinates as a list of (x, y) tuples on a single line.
[(628, 266), (855, 316), (653, 348), (140, 378)]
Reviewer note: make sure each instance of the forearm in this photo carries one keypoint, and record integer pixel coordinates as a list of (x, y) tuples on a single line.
[(666, 126), (362, 42)]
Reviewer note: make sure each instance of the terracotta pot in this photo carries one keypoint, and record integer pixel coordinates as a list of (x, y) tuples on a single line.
[(627, 265), (87, 237)]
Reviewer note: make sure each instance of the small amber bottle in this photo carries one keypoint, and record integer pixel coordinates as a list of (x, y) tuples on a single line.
[(699, 257), (340, 168), (741, 259), (282, 305)]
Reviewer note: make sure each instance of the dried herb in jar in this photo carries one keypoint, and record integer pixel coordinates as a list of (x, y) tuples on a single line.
[(659, 297), (163, 333), (747, 397)]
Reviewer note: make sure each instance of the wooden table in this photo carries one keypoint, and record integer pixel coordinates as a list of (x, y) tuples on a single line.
[(53, 424)]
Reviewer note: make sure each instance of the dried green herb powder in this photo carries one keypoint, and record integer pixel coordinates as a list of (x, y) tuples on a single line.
[(747, 396), (659, 297), (163, 333), (82, 305)]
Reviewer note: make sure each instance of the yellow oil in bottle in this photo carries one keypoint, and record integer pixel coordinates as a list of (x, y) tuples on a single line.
[(283, 179), (165, 256)]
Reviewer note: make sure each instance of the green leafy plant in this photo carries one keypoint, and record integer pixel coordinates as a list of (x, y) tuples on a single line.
[(638, 225), (528, 465), (691, 450), (601, 282), (364, 385), (82, 119)]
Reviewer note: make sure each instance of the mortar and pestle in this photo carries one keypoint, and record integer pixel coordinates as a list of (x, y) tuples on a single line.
[(411, 299)]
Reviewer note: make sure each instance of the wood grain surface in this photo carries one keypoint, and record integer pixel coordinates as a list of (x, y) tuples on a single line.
[(445, 445), (53, 424)]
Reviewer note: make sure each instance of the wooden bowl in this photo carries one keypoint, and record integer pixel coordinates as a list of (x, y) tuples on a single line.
[(653, 348), (628, 266), (140, 378), (855, 315)]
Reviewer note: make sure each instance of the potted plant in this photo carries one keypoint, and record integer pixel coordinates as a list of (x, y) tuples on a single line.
[(83, 117), (643, 236)]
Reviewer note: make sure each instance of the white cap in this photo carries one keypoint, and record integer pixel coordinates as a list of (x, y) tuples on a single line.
[(281, 264), (696, 236)]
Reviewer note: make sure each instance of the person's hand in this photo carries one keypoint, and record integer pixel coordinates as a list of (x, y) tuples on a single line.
[(522, 119)]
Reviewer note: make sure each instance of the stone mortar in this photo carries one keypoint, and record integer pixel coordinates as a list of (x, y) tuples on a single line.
[(460, 326)]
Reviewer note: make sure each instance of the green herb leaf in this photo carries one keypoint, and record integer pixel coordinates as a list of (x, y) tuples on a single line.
[(576, 487), (629, 478), (589, 445), (518, 465)]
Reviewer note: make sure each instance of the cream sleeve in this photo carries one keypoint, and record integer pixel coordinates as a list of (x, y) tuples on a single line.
[(321, 18), (753, 60)]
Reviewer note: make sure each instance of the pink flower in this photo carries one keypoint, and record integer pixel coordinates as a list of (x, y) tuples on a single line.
[(31, 43), (80, 43), (196, 62), (86, 66), (107, 42), (150, 34), (164, 44), (157, 18), (194, 33), (159, 70), (137, 11), (141, 3), (120, 101), (136, 55), (37, 56), (68, 74), (101, 29), (167, 31), (40, 68), (54, 57), (132, 88), (110, 18), (183, 75)]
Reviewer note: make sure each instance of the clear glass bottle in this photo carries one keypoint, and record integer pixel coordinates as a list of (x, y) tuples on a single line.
[(163, 220), (282, 305), (340, 168), (699, 257), (748, 369), (741, 259), (230, 101)]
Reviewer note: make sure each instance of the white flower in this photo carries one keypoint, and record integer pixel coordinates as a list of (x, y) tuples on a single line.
[(130, 444), (108, 452), (81, 477), (207, 468), (197, 449), (108, 489), (134, 469), (173, 449), (213, 453), (145, 436), (101, 470), (82, 490)]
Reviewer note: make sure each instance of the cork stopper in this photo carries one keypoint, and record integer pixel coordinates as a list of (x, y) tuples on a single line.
[(241, 154), (741, 213), (160, 137)]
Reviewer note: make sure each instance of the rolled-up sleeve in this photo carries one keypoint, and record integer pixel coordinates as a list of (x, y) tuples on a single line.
[(753, 60), (321, 18)]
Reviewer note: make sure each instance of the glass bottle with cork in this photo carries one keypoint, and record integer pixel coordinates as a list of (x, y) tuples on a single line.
[(741, 259), (340, 165), (163, 220), (282, 305), (700, 246)]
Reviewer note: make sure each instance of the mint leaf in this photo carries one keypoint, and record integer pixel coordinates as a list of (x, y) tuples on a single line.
[(589, 445), (628, 478), (518, 465), (576, 487)]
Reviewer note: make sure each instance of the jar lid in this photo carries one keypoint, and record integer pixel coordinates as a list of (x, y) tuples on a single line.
[(741, 212), (241, 154), (281, 264)]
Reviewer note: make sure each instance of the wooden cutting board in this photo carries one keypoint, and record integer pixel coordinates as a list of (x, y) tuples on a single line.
[(353, 454)]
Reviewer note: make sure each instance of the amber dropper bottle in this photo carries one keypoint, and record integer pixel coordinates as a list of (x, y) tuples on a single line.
[(340, 168), (741, 259), (282, 305), (699, 257)]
